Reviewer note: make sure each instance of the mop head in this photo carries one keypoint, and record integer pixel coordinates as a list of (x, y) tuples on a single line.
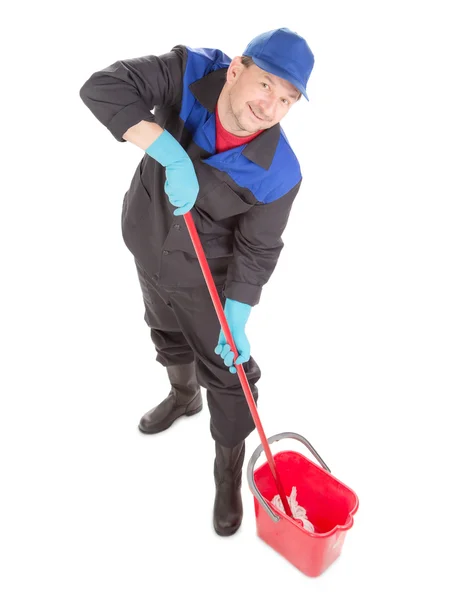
[(298, 512)]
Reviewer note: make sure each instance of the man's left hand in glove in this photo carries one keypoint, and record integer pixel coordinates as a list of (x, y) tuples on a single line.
[(237, 314)]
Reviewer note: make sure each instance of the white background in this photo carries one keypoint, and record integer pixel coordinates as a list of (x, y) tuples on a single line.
[(354, 333)]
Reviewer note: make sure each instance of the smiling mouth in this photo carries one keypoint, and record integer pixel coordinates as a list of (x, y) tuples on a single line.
[(254, 115)]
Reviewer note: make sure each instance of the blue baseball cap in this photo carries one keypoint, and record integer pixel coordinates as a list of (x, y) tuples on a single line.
[(283, 53)]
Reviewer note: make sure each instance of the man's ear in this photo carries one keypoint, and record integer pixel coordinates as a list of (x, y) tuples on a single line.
[(234, 70)]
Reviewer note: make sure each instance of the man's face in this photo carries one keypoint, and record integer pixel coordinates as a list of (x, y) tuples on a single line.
[(256, 99)]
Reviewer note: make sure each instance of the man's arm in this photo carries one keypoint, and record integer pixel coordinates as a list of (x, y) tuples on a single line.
[(122, 95), (257, 247)]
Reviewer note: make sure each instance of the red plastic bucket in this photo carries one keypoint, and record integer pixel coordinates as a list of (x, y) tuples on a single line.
[(329, 504)]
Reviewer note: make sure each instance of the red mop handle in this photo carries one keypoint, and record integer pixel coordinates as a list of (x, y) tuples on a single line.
[(224, 326)]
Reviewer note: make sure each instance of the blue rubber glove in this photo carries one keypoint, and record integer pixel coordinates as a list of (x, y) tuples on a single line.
[(237, 314), (181, 185)]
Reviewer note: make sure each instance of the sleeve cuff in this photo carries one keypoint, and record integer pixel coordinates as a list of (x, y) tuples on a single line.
[(243, 292), (127, 117)]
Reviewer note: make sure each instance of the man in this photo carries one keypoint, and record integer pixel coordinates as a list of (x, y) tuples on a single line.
[(213, 145)]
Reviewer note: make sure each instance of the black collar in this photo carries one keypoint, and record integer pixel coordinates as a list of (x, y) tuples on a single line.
[(207, 90)]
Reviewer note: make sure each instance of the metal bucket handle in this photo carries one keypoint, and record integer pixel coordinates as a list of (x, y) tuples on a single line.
[(275, 438)]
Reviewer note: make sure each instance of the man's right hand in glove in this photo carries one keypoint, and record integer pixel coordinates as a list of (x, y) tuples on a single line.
[(181, 185)]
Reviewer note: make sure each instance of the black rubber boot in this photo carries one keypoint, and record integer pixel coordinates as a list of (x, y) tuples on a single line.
[(183, 399), (228, 509)]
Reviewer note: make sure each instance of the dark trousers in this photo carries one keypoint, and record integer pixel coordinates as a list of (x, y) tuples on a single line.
[(184, 327)]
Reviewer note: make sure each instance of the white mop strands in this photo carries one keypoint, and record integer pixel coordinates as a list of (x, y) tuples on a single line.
[(298, 512)]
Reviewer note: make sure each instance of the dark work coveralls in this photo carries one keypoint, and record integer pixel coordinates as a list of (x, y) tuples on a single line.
[(245, 197)]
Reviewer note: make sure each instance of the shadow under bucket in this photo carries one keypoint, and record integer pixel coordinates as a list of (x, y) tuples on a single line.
[(329, 504)]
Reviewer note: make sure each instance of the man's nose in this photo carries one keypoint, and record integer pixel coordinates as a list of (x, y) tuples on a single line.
[(267, 108)]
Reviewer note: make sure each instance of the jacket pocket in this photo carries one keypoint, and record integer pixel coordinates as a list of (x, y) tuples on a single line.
[(221, 203), (219, 247), (215, 216)]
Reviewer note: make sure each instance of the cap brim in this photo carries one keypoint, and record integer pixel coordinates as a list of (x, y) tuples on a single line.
[(265, 66)]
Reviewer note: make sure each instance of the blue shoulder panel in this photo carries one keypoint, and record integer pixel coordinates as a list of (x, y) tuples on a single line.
[(266, 185), (200, 62)]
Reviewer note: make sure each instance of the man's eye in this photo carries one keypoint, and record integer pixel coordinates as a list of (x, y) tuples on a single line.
[(266, 84)]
